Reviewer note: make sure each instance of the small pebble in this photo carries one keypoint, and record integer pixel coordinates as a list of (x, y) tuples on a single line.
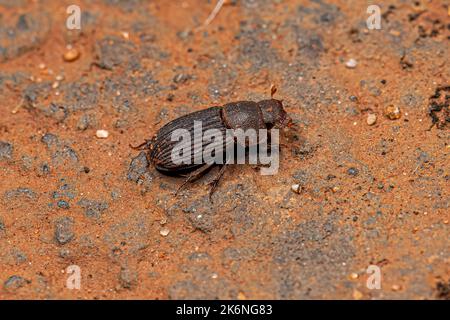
[(357, 295), (63, 204), (396, 287), (164, 232), (64, 230), (296, 188), (102, 134), (71, 55), (64, 253), (6, 150), (354, 276), (181, 78), (392, 112), (351, 64), (170, 97), (353, 171), (336, 189), (241, 296), (371, 119)]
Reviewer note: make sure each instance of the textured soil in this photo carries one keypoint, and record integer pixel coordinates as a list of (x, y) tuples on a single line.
[(370, 194)]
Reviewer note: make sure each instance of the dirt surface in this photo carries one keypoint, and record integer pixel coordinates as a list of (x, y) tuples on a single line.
[(370, 194)]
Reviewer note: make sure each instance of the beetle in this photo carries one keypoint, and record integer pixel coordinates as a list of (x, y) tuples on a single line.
[(265, 114)]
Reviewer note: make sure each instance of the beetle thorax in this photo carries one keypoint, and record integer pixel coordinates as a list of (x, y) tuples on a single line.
[(273, 112), (243, 115)]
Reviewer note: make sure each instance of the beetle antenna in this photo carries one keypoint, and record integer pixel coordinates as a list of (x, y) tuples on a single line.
[(273, 90)]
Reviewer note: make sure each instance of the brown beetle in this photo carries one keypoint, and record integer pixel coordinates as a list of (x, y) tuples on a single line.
[(265, 114)]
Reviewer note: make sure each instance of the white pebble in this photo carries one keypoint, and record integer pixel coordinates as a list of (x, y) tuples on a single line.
[(164, 232), (371, 119), (102, 134), (296, 188), (351, 63)]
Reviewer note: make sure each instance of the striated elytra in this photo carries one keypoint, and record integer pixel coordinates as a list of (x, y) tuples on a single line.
[(265, 114)]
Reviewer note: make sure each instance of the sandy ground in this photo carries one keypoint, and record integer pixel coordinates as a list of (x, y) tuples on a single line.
[(370, 194)]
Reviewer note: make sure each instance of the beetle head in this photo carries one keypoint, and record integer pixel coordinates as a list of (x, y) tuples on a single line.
[(273, 113)]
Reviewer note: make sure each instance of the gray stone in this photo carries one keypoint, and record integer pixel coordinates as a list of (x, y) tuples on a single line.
[(15, 282), (128, 278), (138, 167), (6, 150), (64, 230), (93, 208)]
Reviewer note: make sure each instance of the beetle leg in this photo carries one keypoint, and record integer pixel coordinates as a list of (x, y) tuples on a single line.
[(143, 146), (149, 159), (194, 175), (216, 180)]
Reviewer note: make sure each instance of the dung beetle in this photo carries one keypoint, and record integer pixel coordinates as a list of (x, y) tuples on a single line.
[(265, 114)]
